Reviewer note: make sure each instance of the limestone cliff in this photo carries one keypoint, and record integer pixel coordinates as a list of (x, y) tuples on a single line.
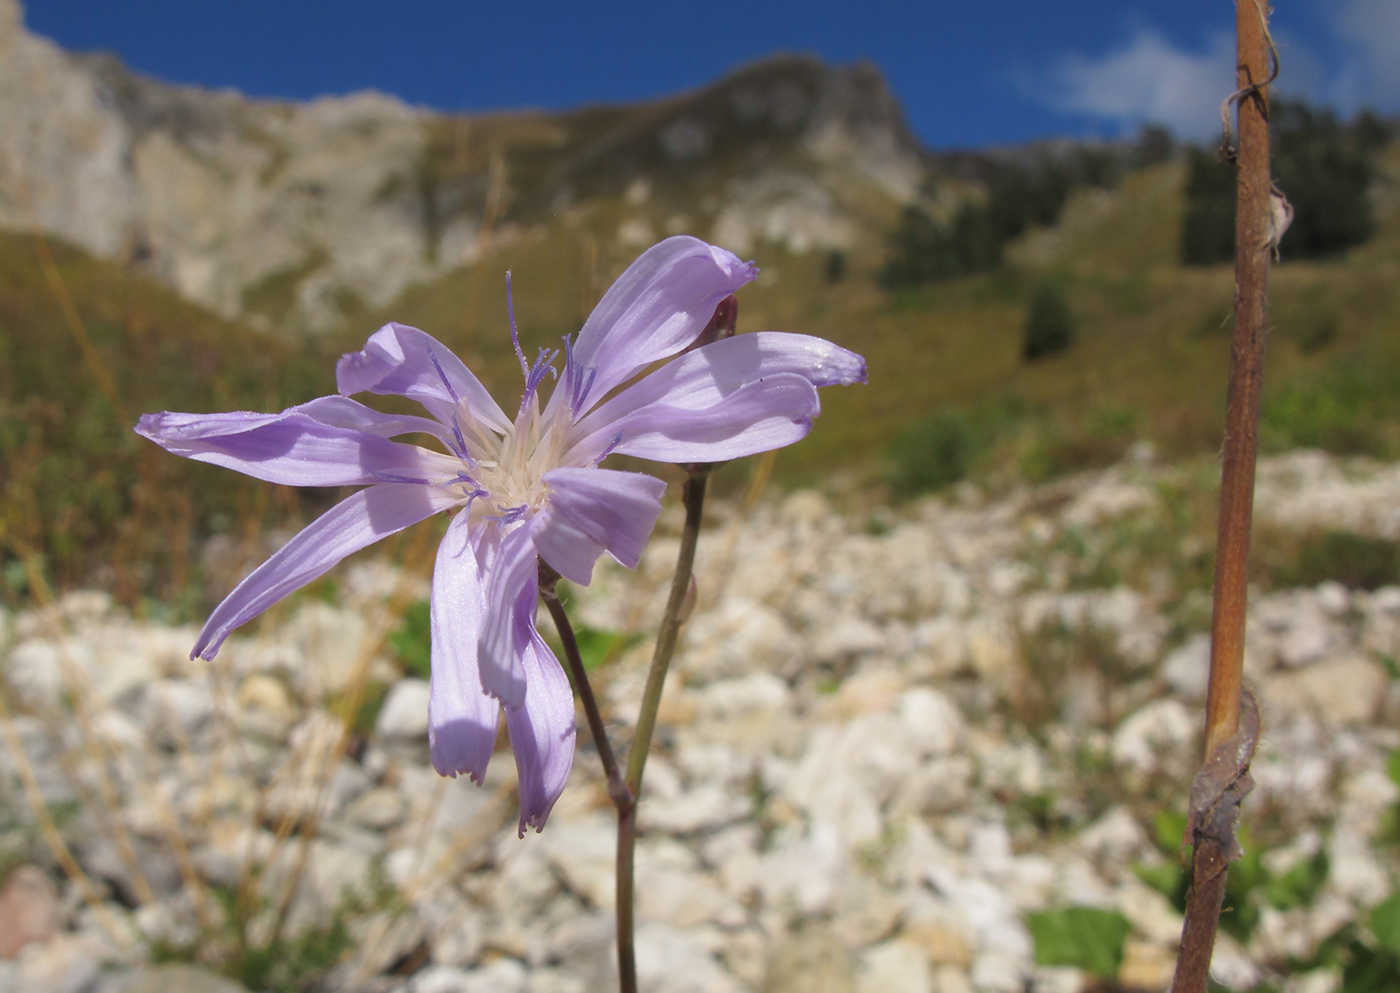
[(290, 214)]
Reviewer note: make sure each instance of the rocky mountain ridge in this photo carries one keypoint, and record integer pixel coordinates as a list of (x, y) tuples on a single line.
[(293, 214)]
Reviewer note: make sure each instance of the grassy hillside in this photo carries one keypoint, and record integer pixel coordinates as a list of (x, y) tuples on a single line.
[(84, 500), (92, 504), (1149, 361)]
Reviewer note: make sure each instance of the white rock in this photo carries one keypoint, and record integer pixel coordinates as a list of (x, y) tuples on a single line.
[(1151, 913), (736, 638), (684, 899), (934, 721), (584, 854), (845, 637), (1186, 669), (1230, 966), (997, 972), (405, 711), (677, 961), (177, 712), (1340, 691), (893, 967), (1353, 870), (504, 975), (1156, 734), (441, 979), (1116, 837), (797, 871), (68, 963), (704, 808)]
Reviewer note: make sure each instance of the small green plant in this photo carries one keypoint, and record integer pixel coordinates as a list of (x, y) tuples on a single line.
[(412, 640), (1208, 225), (597, 646), (1049, 327), (932, 454), (1357, 561), (1369, 963), (1088, 938)]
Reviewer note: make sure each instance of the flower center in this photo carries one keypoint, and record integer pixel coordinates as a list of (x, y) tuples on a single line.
[(506, 481)]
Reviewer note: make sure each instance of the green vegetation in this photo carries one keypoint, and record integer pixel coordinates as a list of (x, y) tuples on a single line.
[(1357, 561), (1049, 327), (932, 454), (1089, 938), (86, 502), (925, 249), (268, 961), (83, 500), (1325, 168)]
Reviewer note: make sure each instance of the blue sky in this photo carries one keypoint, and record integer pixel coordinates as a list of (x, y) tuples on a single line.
[(968, 74)]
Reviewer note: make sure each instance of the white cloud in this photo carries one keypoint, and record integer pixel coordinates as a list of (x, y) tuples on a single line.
[(1150, 81), (1373, 28)]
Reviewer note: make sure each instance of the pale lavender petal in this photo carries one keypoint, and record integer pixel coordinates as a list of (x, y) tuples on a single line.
[(566, 549), (702, 379), (342, 412), (757, 417), (291, 448), (616, 510), (404, 361), (512, 595), (462, 719), (654, 310), (359, 520), (542, 734), (709, 404)]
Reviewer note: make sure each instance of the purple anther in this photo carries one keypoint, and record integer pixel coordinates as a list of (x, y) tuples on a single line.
[(514, 334), (535, 375), (509, 515), (460, 447)]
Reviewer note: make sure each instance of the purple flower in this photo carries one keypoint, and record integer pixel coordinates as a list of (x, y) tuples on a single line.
[(524, 488)]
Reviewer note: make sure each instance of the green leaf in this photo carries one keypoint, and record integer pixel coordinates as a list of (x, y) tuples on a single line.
[(1385, 922), (1089, 938), (1299, 885), (1392, 767), (1170, 827), (597, 647), (412, 640)]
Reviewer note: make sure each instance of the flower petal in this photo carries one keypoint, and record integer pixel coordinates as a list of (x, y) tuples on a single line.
[(705, 397), (359, 520), (342, 412), (558, 541), (542, 734), (462, 719), (757, 418), (702, 378), (512, 595), (291, 448), (616, 510), (654, 310), (402, 360)]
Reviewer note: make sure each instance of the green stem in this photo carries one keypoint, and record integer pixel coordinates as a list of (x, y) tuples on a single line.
[(585, 691), (670, 628), (626, 801)]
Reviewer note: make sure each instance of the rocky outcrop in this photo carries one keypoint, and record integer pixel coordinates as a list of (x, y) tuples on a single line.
[(294, 214)]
